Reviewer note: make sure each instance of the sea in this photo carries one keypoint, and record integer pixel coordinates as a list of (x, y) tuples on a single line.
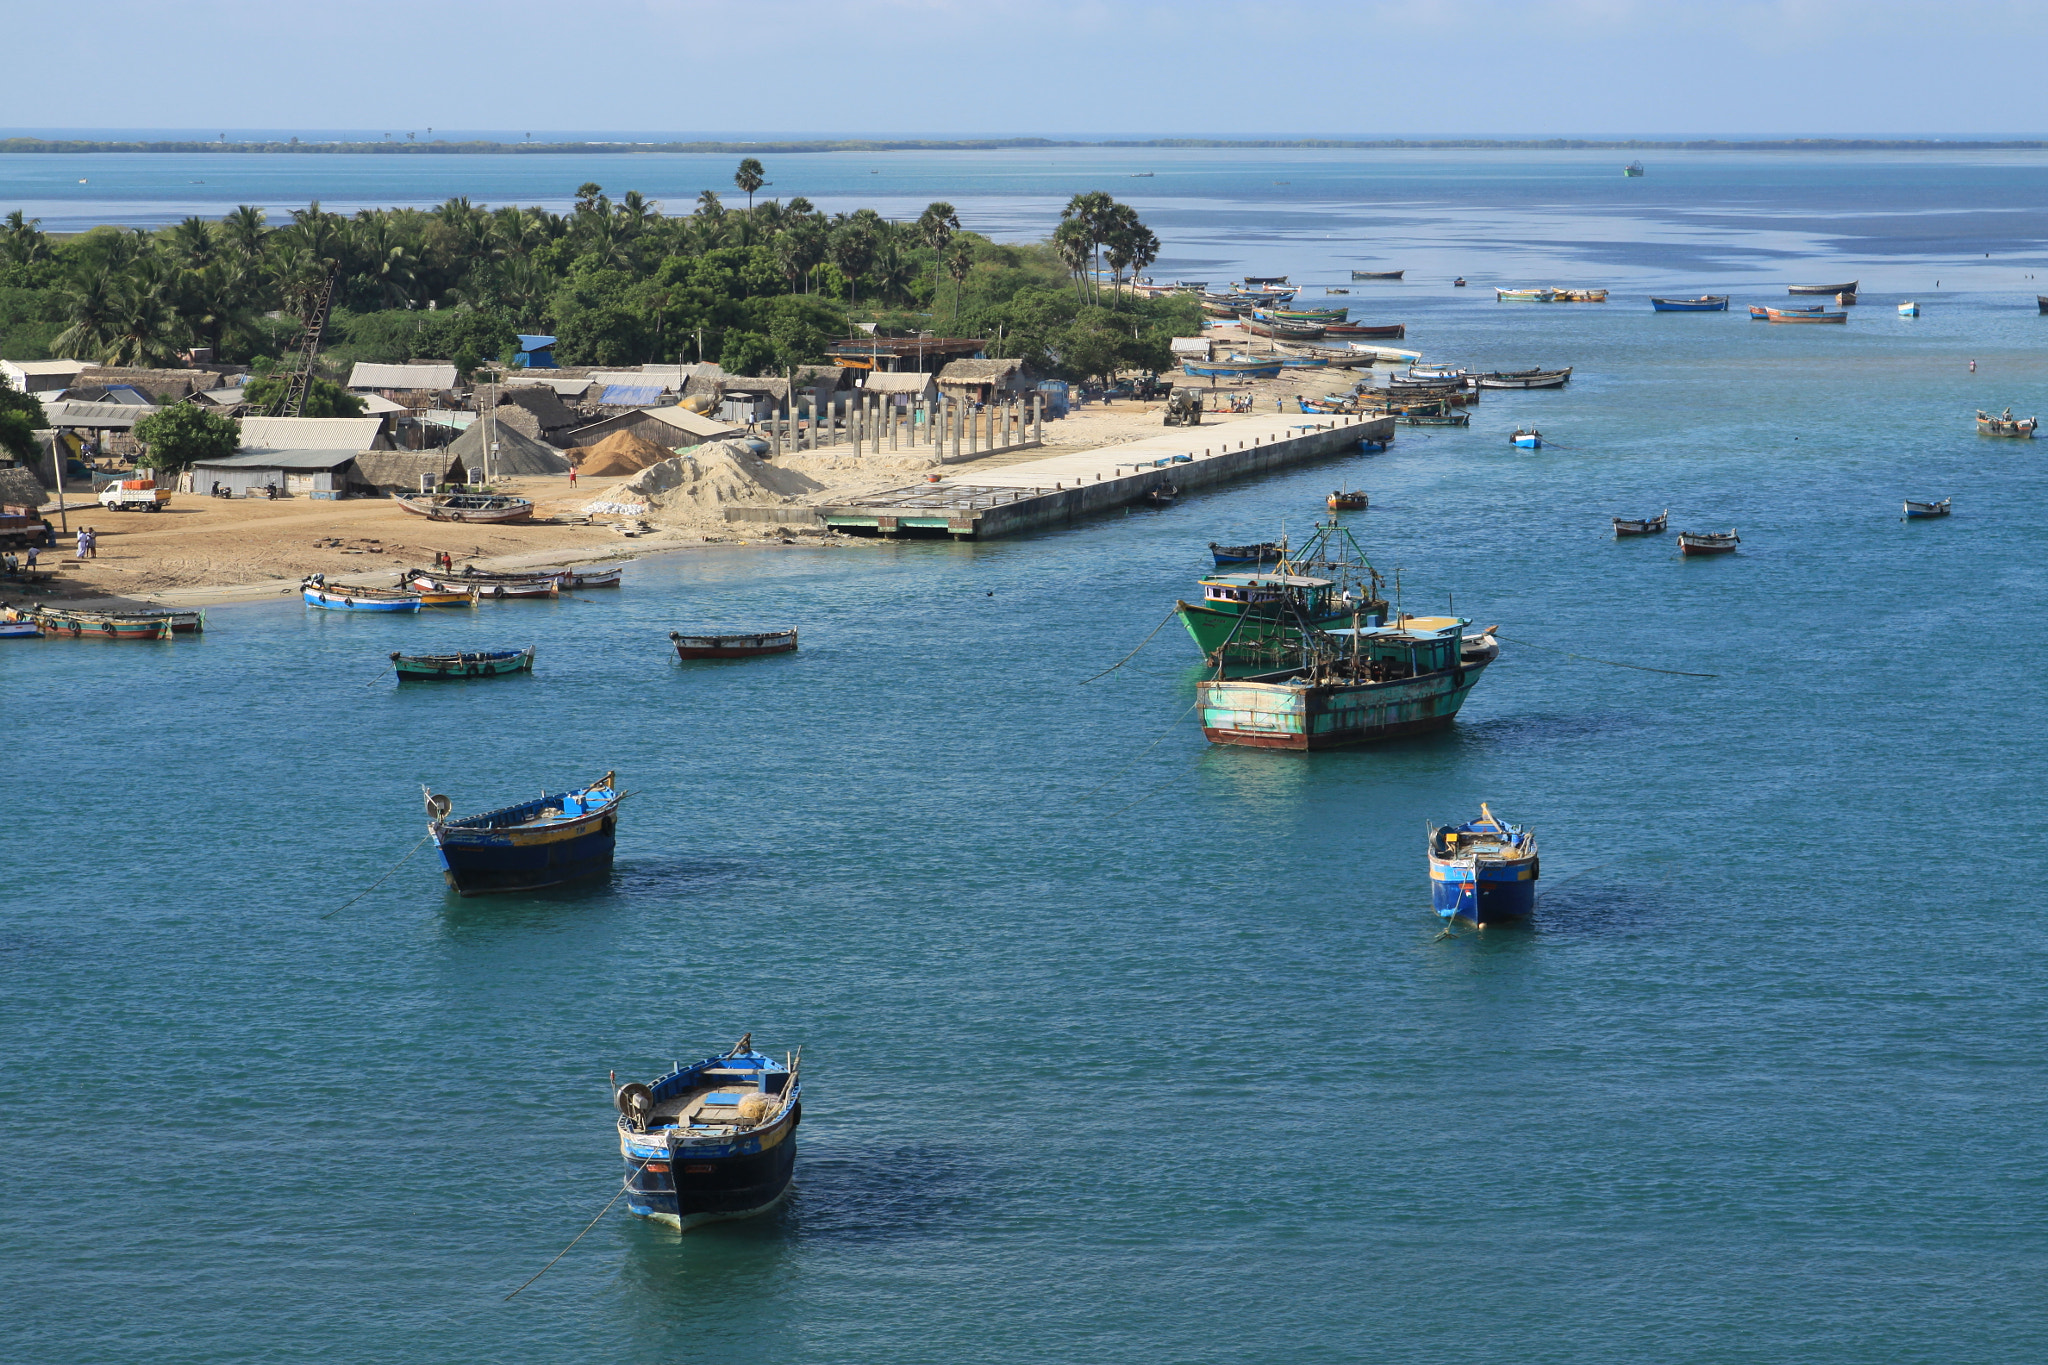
[(1120, 1046)]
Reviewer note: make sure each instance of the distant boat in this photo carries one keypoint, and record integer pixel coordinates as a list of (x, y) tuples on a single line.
[(1483, 871), (1802, 315), (2042, 301), (1347, 502), (1162, 495), (1265, 279), (1230, 371), (1909, 310), (1531, 439), (1314, 316), (1396, 331), (1524, 295), (551, 840), (1142, 175), (1447, 419), (1377, 274), (1705, 303), (1579, 296), (1265, 552), (2006, 425), (1333, 289), (1916, 511), (1647, 526), (1459, 283), (451, 667), (1633, 170), (1848, 288), (733, 646), (712, 1140), (1759, 313), (1700, 543), (1525, 379), (496, 586), (1283, 331), (1845, 300)]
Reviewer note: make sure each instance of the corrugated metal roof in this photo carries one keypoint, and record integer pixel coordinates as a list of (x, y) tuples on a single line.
[(310, 433), (376, 404), (661, 379), (62, 412), (630, 395), (882, 381), (368, 376), (1190, 346), (279, 459)]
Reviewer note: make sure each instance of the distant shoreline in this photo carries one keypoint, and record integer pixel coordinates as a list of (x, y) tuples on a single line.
[(445, 148)]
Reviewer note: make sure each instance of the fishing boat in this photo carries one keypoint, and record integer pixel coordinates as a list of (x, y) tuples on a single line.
[(1430, 372), (712, 1140), (1286, 331), (494, 663), (1848, 288), (1525, 379), (1265, 552), (1458, 283), (589, 578), (551, 840), (733, 646), (2006, 424), (1305, 362), (1580, 296), (1347, 502), (1266, 280), (1162, 494), (1794, 315), (1632, 170), (107, 625), (1759, 313), (1483, 871), (1239, 370), (1920, 511), (19, 630), (1524, 295), (1702, 543), (1646, 526), (1845, 300), (1353, 685), (1333, 289), (318, 592), (1531, 439), (1909, 310), (1377, 274), (1446, 419), (473, 507), (1705, 303), (2042, 301), (495, 586), (1316, 316), (1393, 331)]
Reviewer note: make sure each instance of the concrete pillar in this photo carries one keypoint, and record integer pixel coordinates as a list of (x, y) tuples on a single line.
[(1038, 418), (895, 428), (881, 415), (973, 428), (856, 428), (775, 446), (811, 423)]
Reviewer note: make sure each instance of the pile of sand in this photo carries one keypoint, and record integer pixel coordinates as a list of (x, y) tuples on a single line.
[(706, 478), (622, 452), (839, 462)]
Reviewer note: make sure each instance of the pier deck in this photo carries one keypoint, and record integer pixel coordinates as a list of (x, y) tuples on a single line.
[(1059, 488)]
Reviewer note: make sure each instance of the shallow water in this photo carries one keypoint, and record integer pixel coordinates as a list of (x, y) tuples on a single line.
[(1119, 1046)]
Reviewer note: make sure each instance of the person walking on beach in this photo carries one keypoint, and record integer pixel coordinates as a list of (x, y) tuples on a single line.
[(84, 541), (92, 542), (33, 551)]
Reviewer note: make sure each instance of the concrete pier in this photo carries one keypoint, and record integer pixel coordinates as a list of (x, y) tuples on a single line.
[(1061, 488)]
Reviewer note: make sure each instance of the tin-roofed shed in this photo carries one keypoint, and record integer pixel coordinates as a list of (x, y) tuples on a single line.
[(247, 473)]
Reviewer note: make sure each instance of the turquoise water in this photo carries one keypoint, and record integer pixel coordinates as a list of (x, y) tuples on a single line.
[(1118, 1046)]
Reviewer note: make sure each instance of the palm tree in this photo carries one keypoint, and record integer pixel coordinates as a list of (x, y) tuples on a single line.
[(751, 176), (958, 267), (143, 327), (382, 263), (245, 231), (89, 308), (709, 207), (1071, 243), (193, 243), (935, 228), (852, 248), (24, 241), (1093, 211)]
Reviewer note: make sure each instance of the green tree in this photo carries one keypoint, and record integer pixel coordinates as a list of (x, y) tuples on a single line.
[(746, 353), (21, 416), (176, 437), (749, 177), (324, 397)]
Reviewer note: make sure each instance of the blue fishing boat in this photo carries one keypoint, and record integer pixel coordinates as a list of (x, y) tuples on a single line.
[(1265, 552), (1920, 511), (1242, 370), (1531, 439), (318, 592), (1484, 871), (712, 1140), (550, 840), (1705, 303)]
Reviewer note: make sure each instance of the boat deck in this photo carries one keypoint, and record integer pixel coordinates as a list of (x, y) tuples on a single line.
[(713, 1105)]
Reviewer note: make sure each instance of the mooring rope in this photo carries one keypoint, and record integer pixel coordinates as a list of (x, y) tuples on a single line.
[(1134, 653), (624, 1185), (1645, 668), (380, 881), (1142, 752)]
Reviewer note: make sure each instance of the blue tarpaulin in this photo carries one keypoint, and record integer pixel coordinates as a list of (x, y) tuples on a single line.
[(536, 352), (631, 395)]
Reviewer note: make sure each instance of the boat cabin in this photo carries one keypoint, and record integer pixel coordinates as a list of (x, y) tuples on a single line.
[(1417, 646), (1236, 591)]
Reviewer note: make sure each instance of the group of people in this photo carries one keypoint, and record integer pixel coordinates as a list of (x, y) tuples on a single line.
[(12, 563), (88, 543)]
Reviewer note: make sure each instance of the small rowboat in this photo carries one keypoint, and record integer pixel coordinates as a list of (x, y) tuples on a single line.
[(1310, 315), (1380, 275), (1848, 288), (127, 625), (1347, 502), (494, 586), (1394, 331), (553, 839), (1448, 419), (1580, 296), (1698, 543), (1531, 439), (2042, 300), (733, 646), (1283, 331), (494, 663), (1524, 295), (1305, 362), (1527, 379), (1909, 310), (1265, 552), (1705, 303), (1163, 495), (1648, 526), (318, 592), (1759, 313), (472, 507), (590, 578), (1792, 315), (1264, 279), (1916, 511), (1228, 371), (2006, 425), (1459, 283)]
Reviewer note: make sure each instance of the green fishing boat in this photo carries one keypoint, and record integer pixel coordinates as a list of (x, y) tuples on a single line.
[(493, 663), (1257, 620)]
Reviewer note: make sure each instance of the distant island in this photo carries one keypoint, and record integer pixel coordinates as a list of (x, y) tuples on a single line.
[(442, 147)]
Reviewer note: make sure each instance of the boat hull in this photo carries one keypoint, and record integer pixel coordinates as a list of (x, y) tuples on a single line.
[(456, 507), (343, 601), (685, 1185), (1710, 304), (1264, 715), (1494, 895), (1396, 331), (734, 646), (528, 858), (1232, 371), (1211, 628), (456, 667), (1848, 288)]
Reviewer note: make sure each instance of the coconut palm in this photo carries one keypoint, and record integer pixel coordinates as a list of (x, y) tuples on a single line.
[(193, 243), (143, 327), (88, 306), (1094, 211), (958, 266), (751, 176), (381, 262), (22, 240), (245, 230), (708, 206), (935, 228), (1070, 242)]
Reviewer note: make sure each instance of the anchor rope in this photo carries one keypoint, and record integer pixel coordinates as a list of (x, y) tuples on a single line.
[(380, 881), (1611, 663), (1134, 653), (625, 1183)]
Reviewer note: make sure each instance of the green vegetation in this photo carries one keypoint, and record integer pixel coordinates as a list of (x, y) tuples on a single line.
[(179, 435), (619, 282), (21, 416), (324, 397)]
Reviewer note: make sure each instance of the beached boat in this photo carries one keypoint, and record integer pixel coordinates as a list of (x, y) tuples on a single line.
[(1393, 331), (1265, 552), (1704, 543), (492, 663), (1646, 526), (1264, 280), (1347, 502), (318, 592), (1233, 371), (1632, 170), (746, 646), (551, 840), (713, 1140), (1483, 871), (82, 624), (1305, 362), (1848, 288), (1800, 315), (1259, 325), (1531, 439), (2006, 424), (1356, 684), (1705, 303), (1909, 310), (1919, 511), (1377, 274), (495, 586), (1524, 295), (1525, 379), (473, 507)]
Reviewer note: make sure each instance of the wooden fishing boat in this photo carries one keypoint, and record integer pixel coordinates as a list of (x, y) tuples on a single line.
[(318, 592), (2006, 425), (1449, 419), (1333, 289), (1633, 170), (590, 577), (1287, 331), (1920, 511), (548, 841), (713, 1140), (1353, 685), (1705, 303), (495, 663), (1909, 310), (1264, 279), (1791, 315), (1377, 274), (1305, 362), (1265, 552), (1647, 526), (1162, 494), (1316, 316), (79, 624), (1395, 331), (19, 630), (1845, 300), (1526, 379), (1524, 295), (471, 507), (733, 646), (493, 586), (1759, 313), (1354, 501), (1458, 283), (1531, 439), (1237, 371), (2042, 301), (1848, 288), (1700, 543), (1579, 296), (1483, 871)]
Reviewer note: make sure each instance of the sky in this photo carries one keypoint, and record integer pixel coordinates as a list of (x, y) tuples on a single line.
[(1059, 68)]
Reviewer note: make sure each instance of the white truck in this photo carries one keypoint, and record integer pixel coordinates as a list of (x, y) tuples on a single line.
[(135, 495)]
